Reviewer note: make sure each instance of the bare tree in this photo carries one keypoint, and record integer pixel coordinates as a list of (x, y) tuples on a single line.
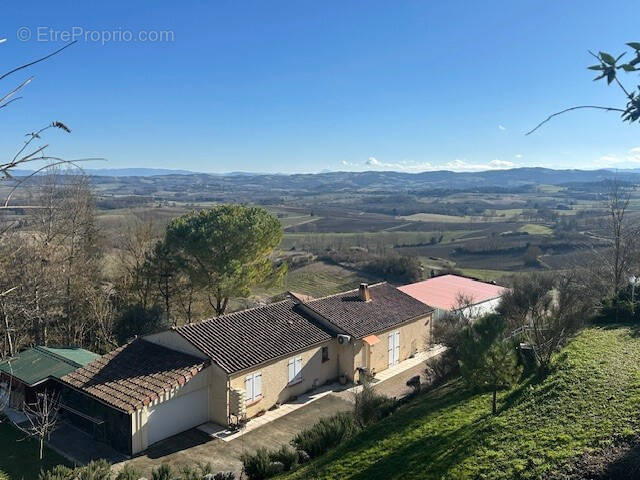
[(610, 258), (543, 311), (136, 246), (42, 418)]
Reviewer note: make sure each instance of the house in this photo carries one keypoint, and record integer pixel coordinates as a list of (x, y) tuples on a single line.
[(235, 366), (451, 293), (33, 370)]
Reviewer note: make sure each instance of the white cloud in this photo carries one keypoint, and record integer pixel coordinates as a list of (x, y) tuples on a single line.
[(463, 166), (519, 155), (502, 127), (457, 165), (630, 159)]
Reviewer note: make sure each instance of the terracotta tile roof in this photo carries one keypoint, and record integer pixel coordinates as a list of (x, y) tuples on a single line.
[(244, 339), (388, 307), (135, 374), (443, 291)]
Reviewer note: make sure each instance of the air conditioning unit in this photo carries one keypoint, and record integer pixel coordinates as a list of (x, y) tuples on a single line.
[(344, 339), (237, 402)]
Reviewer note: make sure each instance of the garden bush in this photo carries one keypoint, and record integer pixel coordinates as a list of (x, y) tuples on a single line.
[(163, 472), (94, 470), (371, 406), (258, 465), (325, 434), (287, 456), (128, 472), (59, 472)]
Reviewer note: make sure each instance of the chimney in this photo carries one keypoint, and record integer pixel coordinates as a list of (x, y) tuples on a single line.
[(364, 293)]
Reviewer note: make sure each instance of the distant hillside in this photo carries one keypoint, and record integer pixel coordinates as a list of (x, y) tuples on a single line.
[(443, 178)]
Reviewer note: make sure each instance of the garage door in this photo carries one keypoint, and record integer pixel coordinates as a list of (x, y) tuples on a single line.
[(177, 415)]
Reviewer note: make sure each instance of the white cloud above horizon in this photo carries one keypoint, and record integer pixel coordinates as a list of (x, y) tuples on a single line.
[(457, 165), (630, 159)]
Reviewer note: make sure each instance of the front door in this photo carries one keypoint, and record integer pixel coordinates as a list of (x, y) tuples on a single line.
[(394, 347)]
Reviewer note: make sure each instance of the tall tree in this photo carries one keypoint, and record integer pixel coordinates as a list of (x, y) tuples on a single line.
[(227, 250)]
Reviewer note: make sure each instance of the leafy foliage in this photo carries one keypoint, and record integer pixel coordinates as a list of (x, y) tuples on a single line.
[(128, 472), (326, 433), (370, 406), (138, 321), (609, 66), (227, 249), (94, 470), (163, 472), (259, 465), (487, 360)]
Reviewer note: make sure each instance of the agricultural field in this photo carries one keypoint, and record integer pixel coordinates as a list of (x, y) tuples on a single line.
[(481, 234)]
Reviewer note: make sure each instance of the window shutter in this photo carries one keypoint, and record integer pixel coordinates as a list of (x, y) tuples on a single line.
[(248, 387), (298, 368), (257, 385), (292, 371)]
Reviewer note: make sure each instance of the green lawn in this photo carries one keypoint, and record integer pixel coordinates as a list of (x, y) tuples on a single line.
[(19, 456), (591, 398), (534, 229)]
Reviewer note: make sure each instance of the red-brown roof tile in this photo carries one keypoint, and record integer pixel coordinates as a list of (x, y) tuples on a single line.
[(135, 374)]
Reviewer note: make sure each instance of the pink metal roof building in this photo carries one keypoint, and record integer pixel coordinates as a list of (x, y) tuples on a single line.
[(443, 292)]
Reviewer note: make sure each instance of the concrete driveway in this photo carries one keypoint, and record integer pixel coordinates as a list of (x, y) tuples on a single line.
[(194, 446)]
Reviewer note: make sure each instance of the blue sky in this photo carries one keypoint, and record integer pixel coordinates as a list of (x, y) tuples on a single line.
[(305, 86)]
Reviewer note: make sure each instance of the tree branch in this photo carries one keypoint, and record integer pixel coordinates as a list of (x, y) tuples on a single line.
[(42, 59), (596, 107)]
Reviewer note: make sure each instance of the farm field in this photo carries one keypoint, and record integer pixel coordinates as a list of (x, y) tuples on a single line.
[(318, 279), (589, 401)]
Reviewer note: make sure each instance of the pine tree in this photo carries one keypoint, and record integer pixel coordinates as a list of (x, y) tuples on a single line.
[(487, 360)]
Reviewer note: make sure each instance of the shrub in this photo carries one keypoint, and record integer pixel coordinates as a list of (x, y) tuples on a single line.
[(224, 476), (441, 367), (59, 472), (163, 472), (96, 470), (287, 456), (128, 472), (325, 434), (258, 465), (371, 406)]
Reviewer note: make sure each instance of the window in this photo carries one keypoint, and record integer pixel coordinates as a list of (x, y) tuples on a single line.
[(253, 387), (325, 354), (295, 370)]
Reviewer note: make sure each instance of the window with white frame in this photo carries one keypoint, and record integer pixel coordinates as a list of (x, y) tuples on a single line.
[(253, 387), (295, 369)]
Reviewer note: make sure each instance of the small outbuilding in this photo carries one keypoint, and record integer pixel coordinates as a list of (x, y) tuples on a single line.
[(454, 293), (36, 369)]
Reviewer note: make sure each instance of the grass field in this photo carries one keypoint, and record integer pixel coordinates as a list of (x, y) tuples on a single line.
[(19, 457), (533, 229), (436, 217), (591, 398), (486, 275), (319, 279)]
